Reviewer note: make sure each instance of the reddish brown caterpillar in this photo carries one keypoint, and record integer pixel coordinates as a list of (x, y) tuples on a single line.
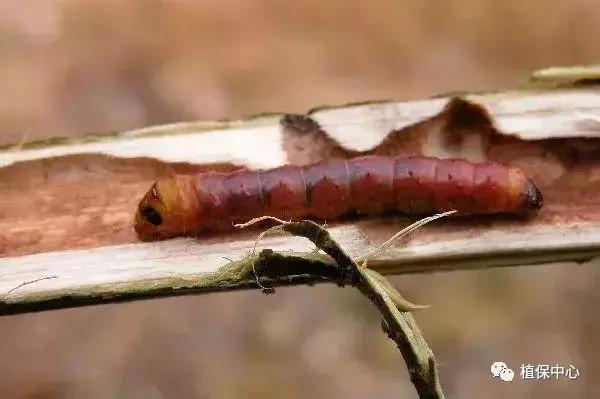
[(208, 202)]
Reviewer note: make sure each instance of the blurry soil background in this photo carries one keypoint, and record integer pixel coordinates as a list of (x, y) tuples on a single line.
[(78, 67)]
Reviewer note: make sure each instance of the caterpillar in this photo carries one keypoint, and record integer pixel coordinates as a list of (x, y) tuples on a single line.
[(186, 205)]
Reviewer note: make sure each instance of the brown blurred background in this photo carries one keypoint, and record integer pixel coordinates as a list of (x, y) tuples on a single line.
[(76, 67)]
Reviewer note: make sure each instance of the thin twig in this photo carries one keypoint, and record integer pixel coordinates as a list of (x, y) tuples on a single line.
[(7, 293), (383, 247), (257, 220), (397, 323)]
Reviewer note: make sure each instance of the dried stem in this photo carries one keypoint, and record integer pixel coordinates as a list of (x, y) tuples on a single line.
[(400, 326)]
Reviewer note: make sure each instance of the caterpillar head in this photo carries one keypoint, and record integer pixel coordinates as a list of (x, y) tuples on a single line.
[(167, 210)]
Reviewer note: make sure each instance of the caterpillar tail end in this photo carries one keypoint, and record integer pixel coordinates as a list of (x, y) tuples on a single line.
[(532, 198)]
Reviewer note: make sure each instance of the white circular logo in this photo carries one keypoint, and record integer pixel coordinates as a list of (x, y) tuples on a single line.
[(501, 370), (507, 375), (497, 367)]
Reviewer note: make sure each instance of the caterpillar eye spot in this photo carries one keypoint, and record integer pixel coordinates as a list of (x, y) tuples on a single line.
[(151, 215)]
